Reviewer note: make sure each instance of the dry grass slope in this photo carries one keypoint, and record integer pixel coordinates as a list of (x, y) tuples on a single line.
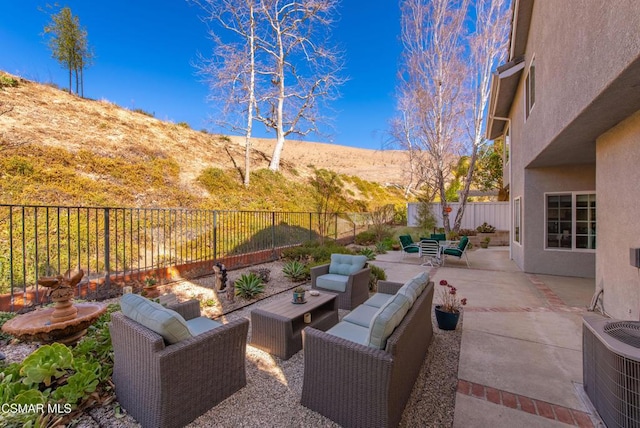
[(56, 148)]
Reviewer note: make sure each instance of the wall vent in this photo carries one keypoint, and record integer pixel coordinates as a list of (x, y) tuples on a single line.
[(611, 369)]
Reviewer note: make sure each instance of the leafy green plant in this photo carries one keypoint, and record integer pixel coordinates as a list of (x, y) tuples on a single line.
[(295, 271), (248, 286), (381, 247), (485, 228), (376, 274), (56, 374), (7, 81), (4, 317), (263, 273), (369, 253)]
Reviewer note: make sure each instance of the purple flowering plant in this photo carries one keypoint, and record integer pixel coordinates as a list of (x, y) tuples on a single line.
[(449, 298)]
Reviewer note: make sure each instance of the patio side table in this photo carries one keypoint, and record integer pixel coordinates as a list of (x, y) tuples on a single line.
[(277, 327)]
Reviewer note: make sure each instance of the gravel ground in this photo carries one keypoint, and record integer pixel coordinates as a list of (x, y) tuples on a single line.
[(271, 397)]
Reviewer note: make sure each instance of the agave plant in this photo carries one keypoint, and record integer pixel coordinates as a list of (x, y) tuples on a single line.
[(371, 255), (295, 271), (381, 248), (249, 286)]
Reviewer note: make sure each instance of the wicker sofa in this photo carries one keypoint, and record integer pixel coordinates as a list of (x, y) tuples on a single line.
[(347, 276), (169, 385), (360, 385)]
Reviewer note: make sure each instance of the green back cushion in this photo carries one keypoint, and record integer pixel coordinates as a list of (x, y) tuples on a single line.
[(167, 323), (439, 236), (414, 287), (387, 319), (345, 264), (463, 243), (405, 240)]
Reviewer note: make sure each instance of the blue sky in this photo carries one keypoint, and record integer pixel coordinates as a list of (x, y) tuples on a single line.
[(144, 50)]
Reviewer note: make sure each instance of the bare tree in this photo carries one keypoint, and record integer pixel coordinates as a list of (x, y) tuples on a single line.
[(432, 75), (487, 47), (231, 71), (301, 67)]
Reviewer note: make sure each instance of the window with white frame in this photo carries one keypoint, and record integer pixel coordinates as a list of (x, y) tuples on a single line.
[(571, 221), (517, 220), (530, 89)]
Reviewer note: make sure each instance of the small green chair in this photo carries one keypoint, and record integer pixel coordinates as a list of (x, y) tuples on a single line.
[(458, 251), (407, 244)]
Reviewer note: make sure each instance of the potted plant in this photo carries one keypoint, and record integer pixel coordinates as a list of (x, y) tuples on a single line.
[(448, 311), (485, 242), (298, 295), (150, 288)]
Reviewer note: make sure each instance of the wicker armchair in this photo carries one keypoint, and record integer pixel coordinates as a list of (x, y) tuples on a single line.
[(359, 386), (356, 292), (171, 385)]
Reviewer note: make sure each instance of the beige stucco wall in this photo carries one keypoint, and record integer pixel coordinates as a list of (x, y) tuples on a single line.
[(538, 181), (618, 205), (580, 47)]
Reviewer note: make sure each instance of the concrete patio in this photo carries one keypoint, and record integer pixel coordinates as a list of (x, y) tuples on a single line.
[(521, 351)]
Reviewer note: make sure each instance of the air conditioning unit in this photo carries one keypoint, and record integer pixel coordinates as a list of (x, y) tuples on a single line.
[(611, 369)]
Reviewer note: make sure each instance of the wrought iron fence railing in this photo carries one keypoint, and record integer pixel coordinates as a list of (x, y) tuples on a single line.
[(110, 243)]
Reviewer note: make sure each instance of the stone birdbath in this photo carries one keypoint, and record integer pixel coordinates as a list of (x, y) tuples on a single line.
[(65, 322)]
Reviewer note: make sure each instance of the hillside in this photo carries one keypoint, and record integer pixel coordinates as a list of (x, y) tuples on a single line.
[(56, 148)]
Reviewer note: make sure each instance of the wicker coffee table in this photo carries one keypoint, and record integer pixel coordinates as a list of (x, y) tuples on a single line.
[(277, 327)]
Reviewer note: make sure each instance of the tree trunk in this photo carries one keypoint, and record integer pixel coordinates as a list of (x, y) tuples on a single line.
[(252, 101)]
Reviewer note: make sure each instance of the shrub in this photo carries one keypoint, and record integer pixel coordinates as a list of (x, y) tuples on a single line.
[(485, 228), (4, 317), (7, 81), (312, 252), (263, 273), (248, 286), (376, 274), (368, 237), (467, 232), (381, 248), (295, 271), (369, 253)]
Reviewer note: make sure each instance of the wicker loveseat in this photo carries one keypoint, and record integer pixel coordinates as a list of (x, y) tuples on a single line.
[(169, 385), (347, 276), (364, 385)]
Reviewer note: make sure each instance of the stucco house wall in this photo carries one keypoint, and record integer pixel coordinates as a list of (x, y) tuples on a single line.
[(539, 182), (618, 184), (580, 50)]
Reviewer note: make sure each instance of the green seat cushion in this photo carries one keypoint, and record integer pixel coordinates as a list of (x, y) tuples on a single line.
[(387, 319), (453, 252), (378, 300), (332, 282), (362, 315), (346, 264), (349, 331), (167, 323), (411, 250), (199, 325)]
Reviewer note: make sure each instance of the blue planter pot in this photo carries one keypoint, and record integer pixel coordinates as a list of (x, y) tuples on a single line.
[(447, 320)]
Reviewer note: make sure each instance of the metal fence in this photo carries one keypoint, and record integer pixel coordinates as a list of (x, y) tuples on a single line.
[(109, 243)]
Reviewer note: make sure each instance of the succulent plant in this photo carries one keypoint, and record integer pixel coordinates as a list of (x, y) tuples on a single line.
[(371, 255), (295, 271), (248, 286)]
